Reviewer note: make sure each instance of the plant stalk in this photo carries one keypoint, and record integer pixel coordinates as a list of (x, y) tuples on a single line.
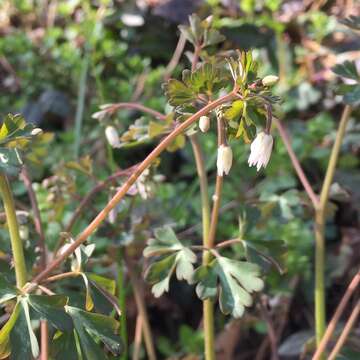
[(44, 331), (346, 331), (281, 55), (320, 219), (296, 163), (44, 328), (80, 104), (92, 227), (122, 303), (320, 319), (337, 315), (16, 242), (141, 307), (137, 338), (208, 306)]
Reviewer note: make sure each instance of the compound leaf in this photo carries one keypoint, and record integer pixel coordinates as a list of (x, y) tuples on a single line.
[(178, 93), (179, 258), (89, 325), (159, 274), (35, 350), (52, 308), (10, 161), (266, 252), (7, 290), (347, 70), (19, 337), (64, 346), (352, 22), (236, 279)]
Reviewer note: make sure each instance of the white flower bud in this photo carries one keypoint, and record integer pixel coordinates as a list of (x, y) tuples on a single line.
[(224, 160), (36, 131), (132, 20), (204, 123), (261, 149), (112, 136), (270, 80)]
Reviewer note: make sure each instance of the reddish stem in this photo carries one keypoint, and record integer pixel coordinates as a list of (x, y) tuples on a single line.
[(340, 309), (140, 107), (92, 227), (299, 171)]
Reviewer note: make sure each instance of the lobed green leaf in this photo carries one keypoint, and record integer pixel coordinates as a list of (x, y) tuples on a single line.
[(52, 308), (236, 280)]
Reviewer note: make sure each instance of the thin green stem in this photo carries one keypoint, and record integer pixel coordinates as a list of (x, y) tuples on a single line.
[(210, 240), (218, 186), (44, 328), (80, 104), (324, 196), (201, 171), (122, 304), (208, 306), (320, 319), (281, 55), (320, 218), (16, 243), (209, 328)]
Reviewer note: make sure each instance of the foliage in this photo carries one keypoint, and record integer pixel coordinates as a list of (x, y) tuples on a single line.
[(237, 281), (351, 92), (15, 136), (267, 217), (181, 260)]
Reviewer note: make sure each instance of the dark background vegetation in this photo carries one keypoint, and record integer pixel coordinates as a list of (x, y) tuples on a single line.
[(52, 51)]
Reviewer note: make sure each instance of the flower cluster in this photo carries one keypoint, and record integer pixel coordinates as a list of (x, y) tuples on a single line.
[(260, 152)]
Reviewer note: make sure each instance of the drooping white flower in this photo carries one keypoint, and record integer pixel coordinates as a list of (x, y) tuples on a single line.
[(270, 80), (204, 123), (260, 150), (112, 136), (224, 160)]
